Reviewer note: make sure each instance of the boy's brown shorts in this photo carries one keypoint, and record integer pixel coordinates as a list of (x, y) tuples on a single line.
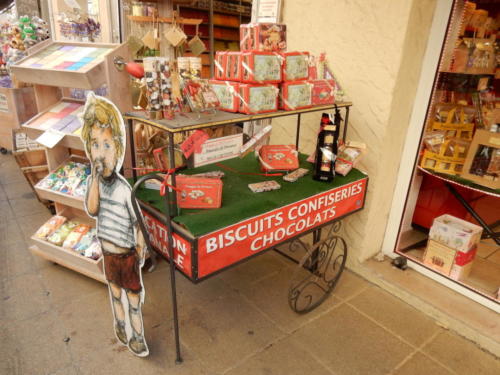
[(123, 270)]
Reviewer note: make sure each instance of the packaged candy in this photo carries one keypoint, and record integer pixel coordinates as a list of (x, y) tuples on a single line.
[(50, 227), (75, 236), (94, 251), (85, 241), (200, 95), (260, 187), (57, 238), (348, 155), (278, 158), (151, 76), (434, 140)]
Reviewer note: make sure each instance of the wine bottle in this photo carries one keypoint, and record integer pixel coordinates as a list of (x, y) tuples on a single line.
[(326, 149)]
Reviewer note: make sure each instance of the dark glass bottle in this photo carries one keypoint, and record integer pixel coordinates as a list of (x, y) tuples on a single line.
[(327, 148)]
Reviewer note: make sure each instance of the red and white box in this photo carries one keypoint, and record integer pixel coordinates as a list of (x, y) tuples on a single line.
[(295, 95), (463, 264), (295, 66), (275, 158), (258, 98), (263, 37), (198, 192), (323, 91), (228, 94), (456, 233), (234, 70), (220, 63), (261, 67)]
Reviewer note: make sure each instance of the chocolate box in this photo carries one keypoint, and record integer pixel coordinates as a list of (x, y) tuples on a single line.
[(220, 63), (323, 91), (198, 192), (263, 37), (227, 92), (295, 66), (295, 95), (274, 158), (261, 67), (258, 98)]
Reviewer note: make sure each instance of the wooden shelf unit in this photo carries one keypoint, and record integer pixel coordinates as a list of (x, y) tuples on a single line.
[(50, 86)]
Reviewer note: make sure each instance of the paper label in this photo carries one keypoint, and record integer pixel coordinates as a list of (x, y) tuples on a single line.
[(218, 149), (267, 68), (262, 98), (298, 96), (50, 138), (194, 143), (297, 67), (226, 96), (4, 105)]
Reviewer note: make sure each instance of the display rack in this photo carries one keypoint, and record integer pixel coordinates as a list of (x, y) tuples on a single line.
[(51, 85), (173, 234)]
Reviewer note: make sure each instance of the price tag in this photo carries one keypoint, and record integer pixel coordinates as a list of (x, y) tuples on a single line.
[(194, 143), (50, 138)]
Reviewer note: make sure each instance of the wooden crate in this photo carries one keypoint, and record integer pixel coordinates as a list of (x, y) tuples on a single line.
[(17, 105)]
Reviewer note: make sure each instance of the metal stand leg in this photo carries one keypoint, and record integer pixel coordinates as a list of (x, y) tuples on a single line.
[(474, 214), (168, 224), (132, 148)]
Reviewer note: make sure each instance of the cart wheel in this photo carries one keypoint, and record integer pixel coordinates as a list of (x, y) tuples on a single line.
[(3, 150), (317, 274)]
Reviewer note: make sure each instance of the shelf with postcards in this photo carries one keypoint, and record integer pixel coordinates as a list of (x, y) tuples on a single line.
[(61, 74)]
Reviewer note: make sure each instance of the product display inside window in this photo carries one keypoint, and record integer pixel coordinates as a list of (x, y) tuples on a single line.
[(451, 223), (221, 143)]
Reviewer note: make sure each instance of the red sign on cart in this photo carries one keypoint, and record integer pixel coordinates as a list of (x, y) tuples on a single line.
[(159, 239), (229, 245)]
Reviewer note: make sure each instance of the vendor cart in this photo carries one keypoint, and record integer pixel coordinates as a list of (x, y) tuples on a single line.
[(204, 243)]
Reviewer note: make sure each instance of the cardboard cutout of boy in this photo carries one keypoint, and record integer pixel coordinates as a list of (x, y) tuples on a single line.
[(108, 199)]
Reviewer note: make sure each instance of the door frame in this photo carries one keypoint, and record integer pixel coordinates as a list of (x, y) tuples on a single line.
[(406, 192)]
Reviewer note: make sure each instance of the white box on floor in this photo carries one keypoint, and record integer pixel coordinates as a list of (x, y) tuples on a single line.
[(455, 233)]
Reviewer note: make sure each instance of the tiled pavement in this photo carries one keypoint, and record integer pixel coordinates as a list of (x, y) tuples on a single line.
[(55, 321)]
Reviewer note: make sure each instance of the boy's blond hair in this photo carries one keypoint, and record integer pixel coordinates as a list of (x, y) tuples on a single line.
[(100, 113)]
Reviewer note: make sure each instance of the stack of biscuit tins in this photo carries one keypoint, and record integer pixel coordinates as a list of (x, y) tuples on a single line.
[(263, 77)]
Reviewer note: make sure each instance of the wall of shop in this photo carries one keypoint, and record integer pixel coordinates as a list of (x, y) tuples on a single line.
[(375, 48)]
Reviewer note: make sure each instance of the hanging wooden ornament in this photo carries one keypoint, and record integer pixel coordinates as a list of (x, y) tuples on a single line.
[(174, 34), (152, 38), (196, 45), (134, 44)]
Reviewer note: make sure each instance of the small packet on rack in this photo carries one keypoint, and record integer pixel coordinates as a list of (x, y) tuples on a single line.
[(75, 236), (348, 155), (295, 175), (57, 238), (200, 95), (260, 187), (434, 140)]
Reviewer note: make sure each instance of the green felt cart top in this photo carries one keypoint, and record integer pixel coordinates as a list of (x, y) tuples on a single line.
[(238, 201)]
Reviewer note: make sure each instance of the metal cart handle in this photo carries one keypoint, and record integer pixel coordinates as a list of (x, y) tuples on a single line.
[(168, 225)]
